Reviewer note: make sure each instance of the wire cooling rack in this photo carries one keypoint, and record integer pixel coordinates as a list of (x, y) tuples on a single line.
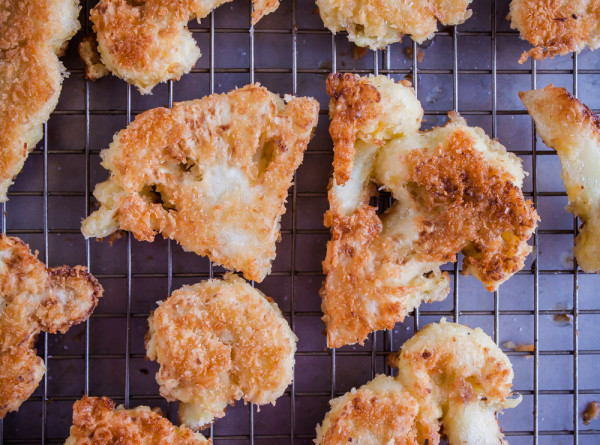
[(472, 69)]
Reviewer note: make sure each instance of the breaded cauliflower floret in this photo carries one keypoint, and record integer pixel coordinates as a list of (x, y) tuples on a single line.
[(212, 174), (556, 27), (449, 376), (32, 34), (380, 412), (97, 422), (33, 299), (573, 130), (378, 23), (217, 342), (146, 42), (455, 190), (459, 376)]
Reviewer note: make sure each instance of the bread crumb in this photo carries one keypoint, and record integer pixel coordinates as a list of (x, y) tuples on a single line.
[(591, 412), (409, 53), (520, 348), (360, 51), (562, 318)]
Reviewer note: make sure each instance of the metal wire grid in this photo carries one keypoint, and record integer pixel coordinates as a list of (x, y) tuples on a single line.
[(375, 353)]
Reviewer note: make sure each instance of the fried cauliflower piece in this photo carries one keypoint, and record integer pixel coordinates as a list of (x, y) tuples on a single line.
[(97, 422), (459, 376), (573, 130), (455, 190), (212, 174), (32, 34), (146, 42), (378, 23), (33, 299), (217, 342), (556, 27), (380, 412), (449, 376)]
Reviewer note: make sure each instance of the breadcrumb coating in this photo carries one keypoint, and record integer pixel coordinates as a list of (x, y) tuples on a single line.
[(212, 174), (380, 412), (217, 342), (97, 422), (455, 190), (449, 377), (378, 23), (32, 34), (34, 299), (573, 130), (146, 42), (556, 27)]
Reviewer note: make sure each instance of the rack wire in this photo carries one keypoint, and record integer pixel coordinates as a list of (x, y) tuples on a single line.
[(290, 52)]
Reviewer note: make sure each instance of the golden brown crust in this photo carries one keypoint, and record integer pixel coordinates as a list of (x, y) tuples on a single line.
[(212, 174), (217, 342), (31, 35), (473, 205), (97, 422), (33, 299), (147, 42), (456, 190), (556, 27), (88, 51), (371, 416)]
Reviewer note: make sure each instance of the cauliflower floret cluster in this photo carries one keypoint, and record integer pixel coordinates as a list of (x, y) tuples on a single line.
[(450, 379), (454, 190)]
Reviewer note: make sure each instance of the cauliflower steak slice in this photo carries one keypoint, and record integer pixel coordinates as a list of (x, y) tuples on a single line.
[(455, 190), (212, 174), (573, 130), (450, 378), (217, 342), (34, 299)]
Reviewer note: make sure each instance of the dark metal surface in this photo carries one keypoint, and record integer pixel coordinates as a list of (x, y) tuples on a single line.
[(472, 69)]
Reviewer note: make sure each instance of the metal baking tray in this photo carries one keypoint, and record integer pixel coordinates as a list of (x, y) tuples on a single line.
[(472, 69)]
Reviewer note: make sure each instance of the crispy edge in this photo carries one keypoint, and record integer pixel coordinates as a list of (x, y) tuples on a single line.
[(353, 103), (263, 7), (567, 106)]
